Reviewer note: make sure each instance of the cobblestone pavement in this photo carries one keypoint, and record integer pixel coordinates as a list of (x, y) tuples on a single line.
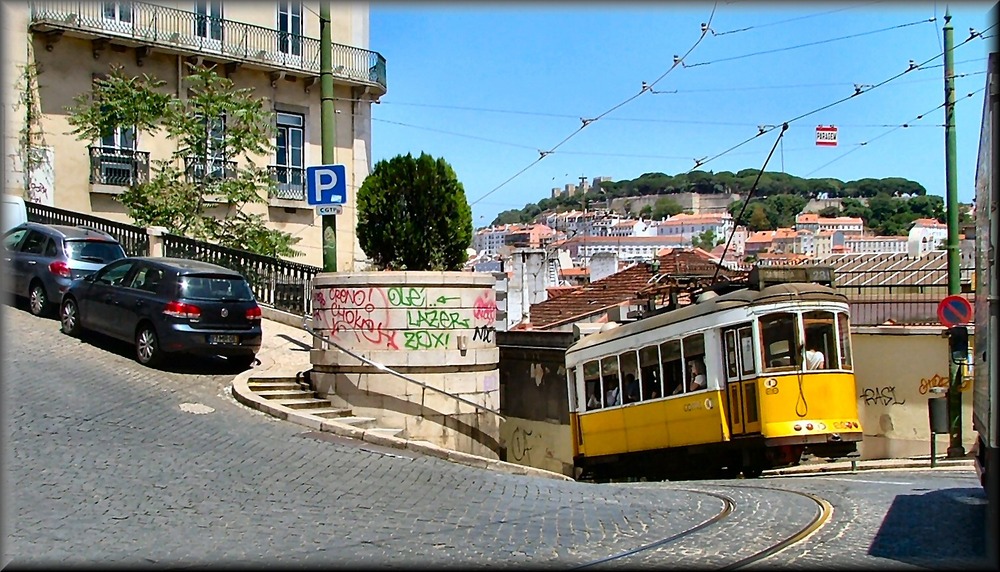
[(108, 461)]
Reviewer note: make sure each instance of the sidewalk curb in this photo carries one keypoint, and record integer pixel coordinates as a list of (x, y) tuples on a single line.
[(870, 465), (241, 391)]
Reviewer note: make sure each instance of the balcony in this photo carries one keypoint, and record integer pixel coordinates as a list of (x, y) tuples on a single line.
[(195, 169), (145, 26), (118, 167), (290, 183)]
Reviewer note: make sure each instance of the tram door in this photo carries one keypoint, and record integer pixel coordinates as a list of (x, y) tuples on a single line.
[(741, 381)]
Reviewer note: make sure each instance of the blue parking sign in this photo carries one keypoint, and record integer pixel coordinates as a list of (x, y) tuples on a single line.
[(326, 185)]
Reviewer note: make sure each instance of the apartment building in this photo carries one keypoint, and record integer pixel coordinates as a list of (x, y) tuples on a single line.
[(691, 225), (271, 47), (815, 223), (876, 244), (582, 248), (490, 241)]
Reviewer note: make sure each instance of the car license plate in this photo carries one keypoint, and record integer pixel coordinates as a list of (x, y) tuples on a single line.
[(223, 339)]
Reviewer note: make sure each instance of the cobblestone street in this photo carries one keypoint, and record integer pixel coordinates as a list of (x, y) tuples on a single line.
[(112, 462)]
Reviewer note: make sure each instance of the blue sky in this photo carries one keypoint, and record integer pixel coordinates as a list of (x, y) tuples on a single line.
[(488, 86)]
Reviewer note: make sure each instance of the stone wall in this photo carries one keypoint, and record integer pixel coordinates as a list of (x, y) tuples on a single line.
[(436, 328)]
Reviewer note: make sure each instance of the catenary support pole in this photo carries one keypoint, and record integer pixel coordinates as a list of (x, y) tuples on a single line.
[(955, 448), (328, 129)]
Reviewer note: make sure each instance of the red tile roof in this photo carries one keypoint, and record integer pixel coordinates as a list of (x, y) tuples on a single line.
[(618, 288)]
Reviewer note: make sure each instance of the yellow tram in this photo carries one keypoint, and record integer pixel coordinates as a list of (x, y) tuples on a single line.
[(739, 382)]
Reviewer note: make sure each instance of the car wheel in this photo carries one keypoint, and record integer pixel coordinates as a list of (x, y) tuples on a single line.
[(38, 300), (147, 346), (69, 318)]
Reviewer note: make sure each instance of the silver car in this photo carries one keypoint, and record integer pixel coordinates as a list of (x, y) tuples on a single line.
[(43, 259)]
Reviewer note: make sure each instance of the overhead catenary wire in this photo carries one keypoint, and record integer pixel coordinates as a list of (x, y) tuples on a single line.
[(746, 202), (857, 93), (894, 129), (808, 44), (678, 60), (796, 19)]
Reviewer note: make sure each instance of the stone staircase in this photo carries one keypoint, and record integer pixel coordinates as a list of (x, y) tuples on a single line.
[(296, 394)]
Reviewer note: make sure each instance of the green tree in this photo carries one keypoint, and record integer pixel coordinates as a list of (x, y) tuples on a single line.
[(758, 218), (413, 215), (830, 212), (216, 129), (706, 240), (666, 207)]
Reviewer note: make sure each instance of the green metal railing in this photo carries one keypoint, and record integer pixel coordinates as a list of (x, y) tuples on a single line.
[(228, 40)]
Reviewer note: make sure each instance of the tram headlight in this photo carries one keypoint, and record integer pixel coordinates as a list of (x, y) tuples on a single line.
[(797, 427), (770, 382), (809, 426)]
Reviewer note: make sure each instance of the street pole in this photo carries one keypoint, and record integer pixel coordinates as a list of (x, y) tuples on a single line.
[(328, 129), (955, 448)]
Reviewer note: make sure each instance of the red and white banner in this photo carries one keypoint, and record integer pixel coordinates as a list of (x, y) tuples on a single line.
[(826, 135)]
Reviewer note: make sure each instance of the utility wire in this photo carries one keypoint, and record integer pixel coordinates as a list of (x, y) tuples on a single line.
[(714, 33), (678, 60), (894, 129), (816, 43), (763, 130), (739, 217)]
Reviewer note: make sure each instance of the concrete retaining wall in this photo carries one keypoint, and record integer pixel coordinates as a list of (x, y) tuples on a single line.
[(434, 327)]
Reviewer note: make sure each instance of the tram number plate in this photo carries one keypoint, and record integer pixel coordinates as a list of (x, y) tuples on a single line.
[(223, 339)]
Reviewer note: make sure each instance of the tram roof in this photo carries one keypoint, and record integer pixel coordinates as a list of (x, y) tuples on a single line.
[(739, 298)]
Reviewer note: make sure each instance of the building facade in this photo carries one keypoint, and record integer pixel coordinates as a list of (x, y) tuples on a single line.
[(269, 47)]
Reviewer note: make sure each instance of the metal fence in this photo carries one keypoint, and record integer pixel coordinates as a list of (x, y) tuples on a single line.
[(893, 297), (133, 238), (275, 282)]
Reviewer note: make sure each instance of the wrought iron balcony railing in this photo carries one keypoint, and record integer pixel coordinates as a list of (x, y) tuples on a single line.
[(118, 167), (224, 40), (201, 169), (290, 182)]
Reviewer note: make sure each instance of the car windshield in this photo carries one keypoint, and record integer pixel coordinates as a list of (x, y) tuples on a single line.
[(98, 251), (215, 288)]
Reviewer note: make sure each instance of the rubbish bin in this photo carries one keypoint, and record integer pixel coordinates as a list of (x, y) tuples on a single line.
[(937, 409)]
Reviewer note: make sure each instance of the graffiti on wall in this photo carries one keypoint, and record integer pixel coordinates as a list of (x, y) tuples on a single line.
[(402, 317), (884, 396), (941, 381)]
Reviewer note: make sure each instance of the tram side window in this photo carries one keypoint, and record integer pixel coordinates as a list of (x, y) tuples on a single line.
[(821, 340), (845, 341), (612, 384), (694, 356), (631, 391), (673, 368), (592, 385), (778, 334), (649, 369)]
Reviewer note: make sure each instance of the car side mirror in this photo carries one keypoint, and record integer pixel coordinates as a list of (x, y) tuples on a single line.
[(88, 278)]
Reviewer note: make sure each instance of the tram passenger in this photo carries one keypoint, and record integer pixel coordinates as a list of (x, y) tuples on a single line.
[(698, 379), (593, 402), (631, 388), (613, 397), (652, 386), (814, 357)]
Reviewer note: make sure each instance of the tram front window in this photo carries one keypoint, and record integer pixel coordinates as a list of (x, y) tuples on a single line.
[(780, 340), (821, 340)]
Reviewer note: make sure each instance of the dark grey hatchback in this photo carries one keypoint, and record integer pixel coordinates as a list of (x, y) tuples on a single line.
[(165, 306)]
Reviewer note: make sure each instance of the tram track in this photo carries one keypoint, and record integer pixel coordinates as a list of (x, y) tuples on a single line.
[(647, 552), (728, 506)]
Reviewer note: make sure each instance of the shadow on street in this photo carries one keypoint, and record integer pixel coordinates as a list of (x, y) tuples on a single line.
[(940, 529)]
